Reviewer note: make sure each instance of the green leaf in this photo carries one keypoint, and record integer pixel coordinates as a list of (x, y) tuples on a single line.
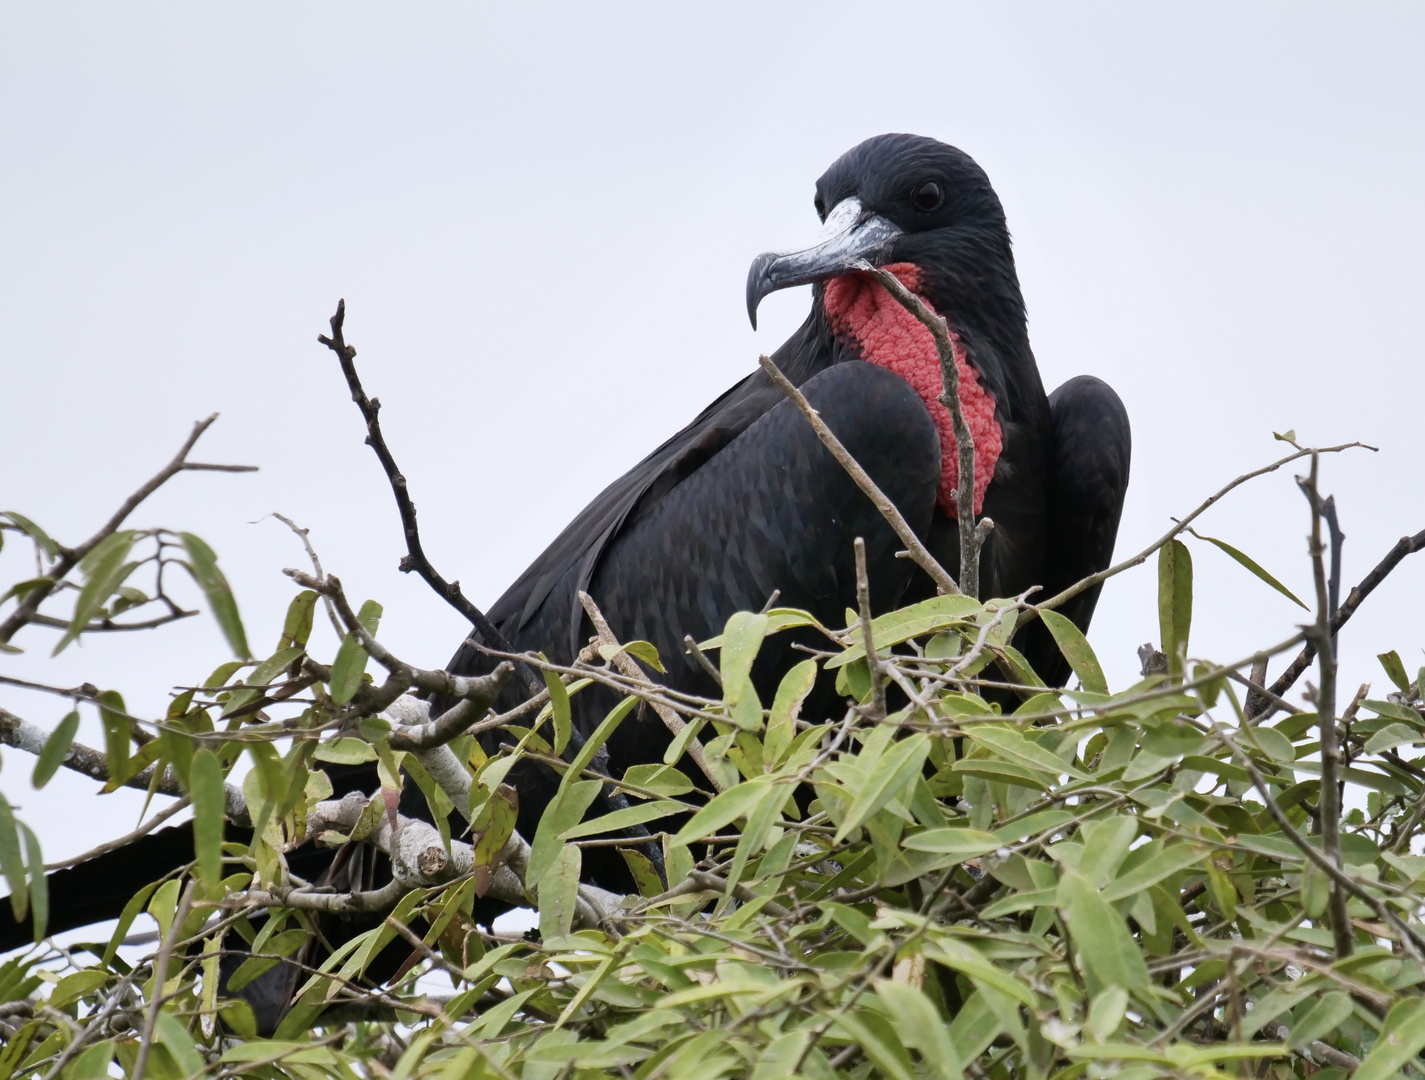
[(740, 641), (1174, 602), (12, 862), (1252, 565), (35, 533), (174, 1036), (559, 893), (297, 626), (349, 667), (503, 809), (559, 709), (879, 1042), (1391, 736), (113, 714), (206, 783), (55, 749), (726, 808), (888, 777), (564, 811), (1402, 1037), (917, 620), (106, 571), (659, 779), (623, 819), (345, 751), (203, 565), (601, 735), (796, 684), (1077, 651), (920, 1026), (1395, 668), (1164, 864), (965, 843), (1009, 743), (1321, 1020), (39, 887), (1104, 944), (93, 1063)]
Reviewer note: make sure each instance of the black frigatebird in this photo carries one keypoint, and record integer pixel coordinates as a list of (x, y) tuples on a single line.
[(745, 501)]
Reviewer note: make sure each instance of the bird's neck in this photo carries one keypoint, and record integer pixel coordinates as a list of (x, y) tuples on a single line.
[(860, 311)]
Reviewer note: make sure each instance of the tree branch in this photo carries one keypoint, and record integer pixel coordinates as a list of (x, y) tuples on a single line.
[(415, 558), (919, 553), (630, 669), (970, 537), (69, 558), (1406, 545), (1329, 801), (1059, 599), (23, 735)]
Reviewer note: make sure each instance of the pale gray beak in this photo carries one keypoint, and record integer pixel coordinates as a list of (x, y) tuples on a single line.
[(850, 235)]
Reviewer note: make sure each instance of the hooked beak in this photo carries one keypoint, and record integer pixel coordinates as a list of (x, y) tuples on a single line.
[(851, 234)]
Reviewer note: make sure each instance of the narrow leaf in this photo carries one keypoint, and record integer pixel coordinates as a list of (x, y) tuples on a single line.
[(11, 861), (206, 780), (39, 887), (55, 748), (204, 567), (1077, 651), (1174, 602), (1252, 565)]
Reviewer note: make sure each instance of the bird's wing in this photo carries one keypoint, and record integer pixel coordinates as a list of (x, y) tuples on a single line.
[(585, 538), (1091, 448)]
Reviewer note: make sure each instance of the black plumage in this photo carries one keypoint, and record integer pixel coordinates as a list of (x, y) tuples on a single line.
[(745, 501)]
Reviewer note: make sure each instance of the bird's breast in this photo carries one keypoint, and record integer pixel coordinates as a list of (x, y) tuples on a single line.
[(860, 309)]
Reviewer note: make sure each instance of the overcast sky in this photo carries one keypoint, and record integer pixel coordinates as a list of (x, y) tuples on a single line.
[(542, 219)]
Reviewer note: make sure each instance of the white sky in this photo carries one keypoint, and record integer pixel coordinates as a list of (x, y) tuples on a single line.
[(542, 220)]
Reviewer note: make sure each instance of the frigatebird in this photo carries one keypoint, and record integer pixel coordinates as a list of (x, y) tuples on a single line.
[(745, 502)]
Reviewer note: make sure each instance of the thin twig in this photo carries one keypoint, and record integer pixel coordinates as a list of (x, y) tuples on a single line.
[(701, 657), (970, 537), (316, 568), (69, 558), (919, 553), (415, 558), (123, 841), (868, 640), (630, 669), (1329, 802), (1406, 545), (1059, 599), (160, 976)]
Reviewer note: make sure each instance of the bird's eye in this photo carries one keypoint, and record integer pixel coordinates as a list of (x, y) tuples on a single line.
[(928, 196), (820, 205)]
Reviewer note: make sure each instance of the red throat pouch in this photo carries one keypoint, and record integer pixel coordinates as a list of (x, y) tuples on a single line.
[(888, 335)]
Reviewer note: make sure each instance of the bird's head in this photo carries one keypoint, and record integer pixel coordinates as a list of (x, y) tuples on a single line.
[(902, 201), (925, 212)]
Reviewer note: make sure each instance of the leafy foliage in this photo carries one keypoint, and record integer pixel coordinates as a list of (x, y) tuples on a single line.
[(1000, 880)]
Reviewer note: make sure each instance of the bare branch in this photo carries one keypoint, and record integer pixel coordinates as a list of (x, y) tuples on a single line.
[(415, 558), (970, 537), (1059, 599), (1329, 802), (1406, 545), (630, 669), (69, 557), (919, 553), (23, 735), (868, 641)]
